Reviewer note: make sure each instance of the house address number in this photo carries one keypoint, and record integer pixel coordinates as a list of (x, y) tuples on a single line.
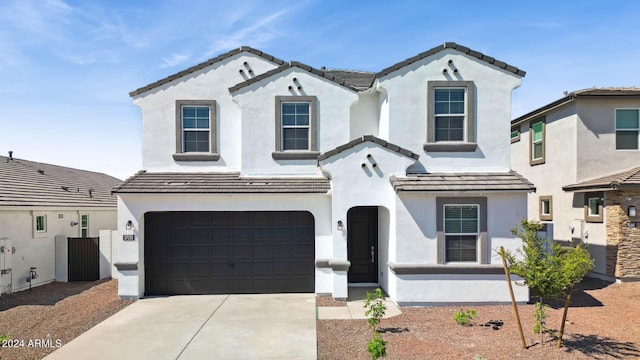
[(129, 237)]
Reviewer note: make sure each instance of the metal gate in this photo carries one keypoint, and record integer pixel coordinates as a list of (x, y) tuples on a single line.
[(83, 260)]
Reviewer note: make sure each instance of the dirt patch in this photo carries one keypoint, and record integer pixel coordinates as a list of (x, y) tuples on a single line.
[(329, 301), (40, 320), (602, 324)]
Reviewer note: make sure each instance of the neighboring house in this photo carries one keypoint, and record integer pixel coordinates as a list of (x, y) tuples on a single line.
[(39, 202), (270, 176), (583, 154)]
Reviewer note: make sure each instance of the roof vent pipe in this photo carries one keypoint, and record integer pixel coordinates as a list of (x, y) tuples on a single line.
[(10, 155)]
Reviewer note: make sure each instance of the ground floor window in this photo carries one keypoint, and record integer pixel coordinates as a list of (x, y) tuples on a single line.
[(461, 232)]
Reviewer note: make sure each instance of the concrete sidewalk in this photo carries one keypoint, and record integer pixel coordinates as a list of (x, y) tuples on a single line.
[(270, 326), (354, 308)]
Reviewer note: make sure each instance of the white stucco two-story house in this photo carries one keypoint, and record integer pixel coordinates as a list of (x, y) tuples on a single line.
[(582, 153), (269, 176)]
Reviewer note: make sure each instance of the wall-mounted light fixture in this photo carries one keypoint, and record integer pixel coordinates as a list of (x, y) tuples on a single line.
[(340, 225), (631, 211), (74, 223), (129, 225)]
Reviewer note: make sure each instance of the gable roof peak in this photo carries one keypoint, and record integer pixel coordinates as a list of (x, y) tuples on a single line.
[(451, 45), (202, 65)]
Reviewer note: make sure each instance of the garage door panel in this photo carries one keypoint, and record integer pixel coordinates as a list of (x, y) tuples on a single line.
[(229, 252)]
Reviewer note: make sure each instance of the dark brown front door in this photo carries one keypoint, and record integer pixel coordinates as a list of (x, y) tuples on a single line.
[(362, 244)]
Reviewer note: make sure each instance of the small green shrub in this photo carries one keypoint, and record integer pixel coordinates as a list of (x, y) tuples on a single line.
[(4, 337), (375, 311), (377, 347), (478, 357), (463, 317)]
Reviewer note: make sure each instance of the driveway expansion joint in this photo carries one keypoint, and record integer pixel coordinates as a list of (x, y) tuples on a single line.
[(201, 326)]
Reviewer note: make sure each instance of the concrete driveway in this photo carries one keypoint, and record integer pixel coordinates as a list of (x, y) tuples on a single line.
[(270, 326)]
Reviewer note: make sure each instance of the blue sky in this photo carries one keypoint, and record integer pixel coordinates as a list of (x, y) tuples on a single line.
[(66, 67)]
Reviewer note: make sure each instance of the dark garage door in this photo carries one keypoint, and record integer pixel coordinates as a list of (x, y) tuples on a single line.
[(229, 252)]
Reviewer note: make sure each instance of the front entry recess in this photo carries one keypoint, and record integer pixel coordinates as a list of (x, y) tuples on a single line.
[(362, 244)]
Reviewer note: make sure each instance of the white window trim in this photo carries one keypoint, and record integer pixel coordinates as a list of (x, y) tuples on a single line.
[(476, 234), (534, 142), (39, 233), (80, 224), (184, 144), (589, 206), (283, 126), (463, 114), (615, 128)]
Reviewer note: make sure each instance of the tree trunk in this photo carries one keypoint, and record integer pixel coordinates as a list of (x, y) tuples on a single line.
[(567, 302), (513, 298), (541, 320)]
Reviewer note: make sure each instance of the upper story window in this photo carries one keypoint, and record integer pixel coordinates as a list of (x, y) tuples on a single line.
[(515, 134), (84, 225), (537, 142), (451, 116), (627, 129), (196, 130), (296, 128), (295, 125)]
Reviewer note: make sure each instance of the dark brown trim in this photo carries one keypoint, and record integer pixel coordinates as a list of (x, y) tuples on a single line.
[(541, 200), (372, 139), (591, 195), (469, 143), (335, 265), (483, 242), (295, 155), (126, 266), (313, 126), (533, 162), (196, 157), (450, 147), (213, 129), (419, 269)]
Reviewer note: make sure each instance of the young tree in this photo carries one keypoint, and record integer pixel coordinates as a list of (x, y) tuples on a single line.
[(575, 265), (539, 267)]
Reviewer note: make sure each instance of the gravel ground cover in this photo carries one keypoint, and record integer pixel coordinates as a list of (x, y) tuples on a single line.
[(603, 323), (40, 320)]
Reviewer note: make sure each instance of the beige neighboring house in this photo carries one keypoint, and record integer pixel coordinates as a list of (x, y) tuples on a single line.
[(582, 152), (41, 205)]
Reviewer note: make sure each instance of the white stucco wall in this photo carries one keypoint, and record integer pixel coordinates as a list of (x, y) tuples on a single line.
[(257, 104), (134, 206), (210, 83), (38, 249), (354, 185), (365, 116), (407, 110)]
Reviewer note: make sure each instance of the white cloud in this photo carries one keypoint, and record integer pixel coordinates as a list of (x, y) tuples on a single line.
[(174, 60)]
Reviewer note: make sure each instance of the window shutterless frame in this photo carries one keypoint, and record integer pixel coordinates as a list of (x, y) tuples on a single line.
[(482, 244), (211, 154), (537, 142), (467, 142), (283, 153), (461, 228), (545, 210), (594, 207), (627, 128)]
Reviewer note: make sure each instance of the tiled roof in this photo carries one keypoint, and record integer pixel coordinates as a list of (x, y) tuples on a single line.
[(629, 179), (451, 45), (361, 80), (372, 139), (461, 182), (204, 65), (325, 74), (28, 183), (608, 91), (215, 183)]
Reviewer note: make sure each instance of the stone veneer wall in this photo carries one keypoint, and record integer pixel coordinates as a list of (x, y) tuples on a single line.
[(623, 242)]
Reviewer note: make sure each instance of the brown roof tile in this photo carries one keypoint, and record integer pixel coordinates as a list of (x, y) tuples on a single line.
[(215, 183), (372, 139), (451, 45), (629, 179), (29, 183), (461, 182), (608, 91), (327, 75)]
